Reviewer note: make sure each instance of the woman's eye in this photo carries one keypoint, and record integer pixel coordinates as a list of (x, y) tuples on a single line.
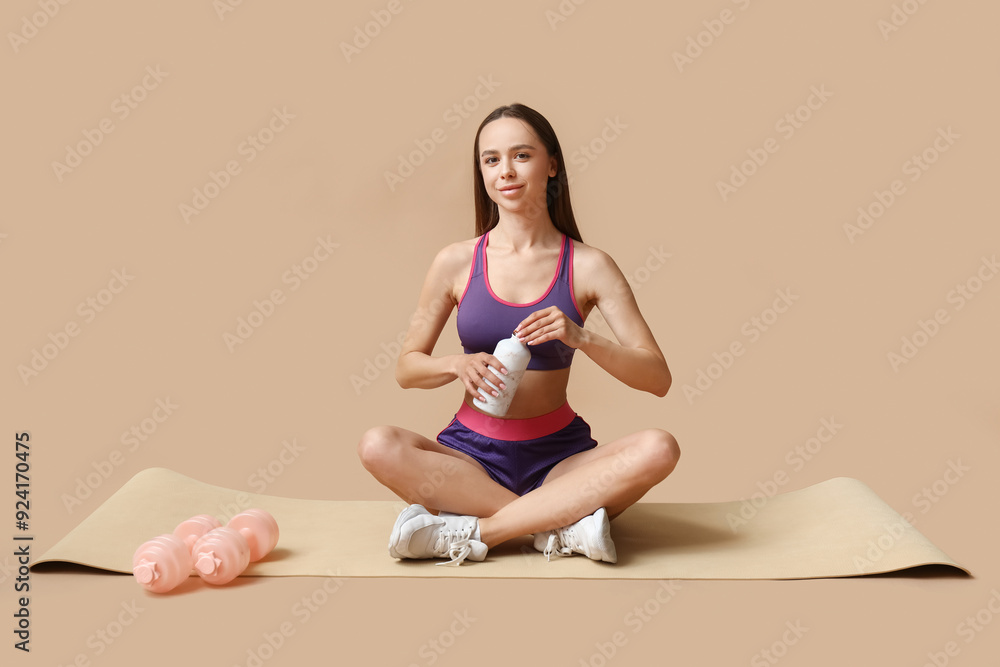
[(494, 159)]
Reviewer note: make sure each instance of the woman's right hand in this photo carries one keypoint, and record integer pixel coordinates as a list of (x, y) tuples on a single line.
[(473, 370)]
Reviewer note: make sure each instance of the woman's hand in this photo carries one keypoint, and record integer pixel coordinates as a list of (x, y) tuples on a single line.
[(549, 324), (473, 371)]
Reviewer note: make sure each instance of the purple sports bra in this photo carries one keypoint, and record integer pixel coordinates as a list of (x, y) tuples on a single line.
[(484, 319)]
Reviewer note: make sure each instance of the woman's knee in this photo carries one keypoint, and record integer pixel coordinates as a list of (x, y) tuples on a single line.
[(660, 452), (376, 447)]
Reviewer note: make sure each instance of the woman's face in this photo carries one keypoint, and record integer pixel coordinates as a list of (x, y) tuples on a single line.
[(515, 165)]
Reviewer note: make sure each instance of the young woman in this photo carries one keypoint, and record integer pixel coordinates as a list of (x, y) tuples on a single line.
[(536, 471)]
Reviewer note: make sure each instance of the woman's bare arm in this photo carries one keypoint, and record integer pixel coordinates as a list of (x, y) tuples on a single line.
[(416, 368), (636, 359)]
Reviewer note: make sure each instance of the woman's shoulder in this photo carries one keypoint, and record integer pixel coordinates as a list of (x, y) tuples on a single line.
[(590, 258), (456, 257), (459, 251)]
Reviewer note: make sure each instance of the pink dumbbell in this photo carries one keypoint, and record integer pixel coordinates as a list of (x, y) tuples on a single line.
[(191, 530), (217, 553), (223, 553), (162, 563)]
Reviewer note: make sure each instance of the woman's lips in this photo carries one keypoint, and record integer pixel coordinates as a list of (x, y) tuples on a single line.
[(510, 190)]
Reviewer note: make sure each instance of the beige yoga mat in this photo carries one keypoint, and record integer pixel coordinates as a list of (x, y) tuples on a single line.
[(838, 528)]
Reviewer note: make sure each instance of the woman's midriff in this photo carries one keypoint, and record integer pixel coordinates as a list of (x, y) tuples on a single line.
[(539, 393)]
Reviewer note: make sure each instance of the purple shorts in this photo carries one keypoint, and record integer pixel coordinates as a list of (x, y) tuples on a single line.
[(518, 453)]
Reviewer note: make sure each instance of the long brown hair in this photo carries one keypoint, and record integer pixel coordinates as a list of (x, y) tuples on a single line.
[(557, 189)]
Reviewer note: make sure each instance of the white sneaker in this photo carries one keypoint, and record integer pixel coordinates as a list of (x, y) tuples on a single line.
[(590, 536), (419, 534)]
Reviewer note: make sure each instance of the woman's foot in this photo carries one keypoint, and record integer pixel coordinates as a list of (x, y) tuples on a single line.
[(419, 534), (590, 536)]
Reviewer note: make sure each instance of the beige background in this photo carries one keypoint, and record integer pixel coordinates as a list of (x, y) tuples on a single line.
[(653, 188)]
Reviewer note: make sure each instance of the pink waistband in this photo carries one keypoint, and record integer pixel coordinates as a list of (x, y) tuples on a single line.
[(516, 429)]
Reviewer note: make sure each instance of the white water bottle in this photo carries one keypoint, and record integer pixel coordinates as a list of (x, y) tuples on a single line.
[(514, 355)]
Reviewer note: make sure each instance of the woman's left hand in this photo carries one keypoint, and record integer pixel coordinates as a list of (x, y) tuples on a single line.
[(549, 324)]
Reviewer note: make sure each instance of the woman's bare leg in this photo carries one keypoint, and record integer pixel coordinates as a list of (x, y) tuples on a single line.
[(420, 470), (613, 476)]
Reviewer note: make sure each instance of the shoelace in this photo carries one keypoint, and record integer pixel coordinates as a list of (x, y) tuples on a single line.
[(454, 543), (558, 543)]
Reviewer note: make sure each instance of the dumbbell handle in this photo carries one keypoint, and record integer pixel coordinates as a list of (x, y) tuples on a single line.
[(259, 529)]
